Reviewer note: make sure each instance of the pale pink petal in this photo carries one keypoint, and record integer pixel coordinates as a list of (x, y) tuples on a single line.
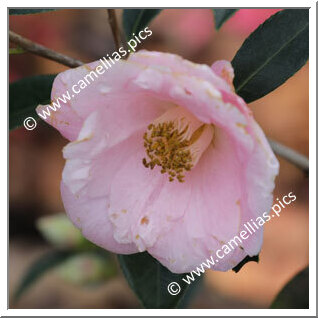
[(90, 216), (178, 66), (213, 216), (143, 203), (203, 100), (225, 70), (69, 118)]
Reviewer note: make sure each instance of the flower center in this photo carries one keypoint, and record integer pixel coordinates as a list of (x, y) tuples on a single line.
[(175, 142)]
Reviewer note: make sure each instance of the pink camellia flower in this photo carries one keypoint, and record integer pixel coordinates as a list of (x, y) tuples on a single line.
[(163, 157)]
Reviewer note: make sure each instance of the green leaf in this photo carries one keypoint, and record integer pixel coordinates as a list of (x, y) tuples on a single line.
[(135, 20), (247, 259), (60, 232), (149, 280), (275, 51), (221, 16), (88, 268), (295, 294), (25, 95), (28, 11), (40, 267)]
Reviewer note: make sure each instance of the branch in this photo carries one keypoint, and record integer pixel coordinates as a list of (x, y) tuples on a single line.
[(43, 51), (290, 155), (114, 27), (16, 50)]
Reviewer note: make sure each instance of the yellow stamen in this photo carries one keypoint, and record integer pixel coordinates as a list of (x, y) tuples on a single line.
[(173, 142)]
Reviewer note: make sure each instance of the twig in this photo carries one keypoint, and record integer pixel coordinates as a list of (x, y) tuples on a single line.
[(114, 27), (43, 51), (290, 155)]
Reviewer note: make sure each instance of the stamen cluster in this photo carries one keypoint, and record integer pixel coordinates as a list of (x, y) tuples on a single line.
[(167, 148)]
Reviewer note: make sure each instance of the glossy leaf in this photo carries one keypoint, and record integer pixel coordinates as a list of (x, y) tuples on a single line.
[(135, 20), (25, 95), (221, 16), (150, 280), (295, 294), (39, 268), (28, 11), (274, 52)]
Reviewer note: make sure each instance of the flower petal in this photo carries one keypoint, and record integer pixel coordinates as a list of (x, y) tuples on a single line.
[(90, 216), (225, 70), (96, 91), (178, 66)]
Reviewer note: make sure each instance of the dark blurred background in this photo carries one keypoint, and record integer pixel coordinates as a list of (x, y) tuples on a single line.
[(36, 162)]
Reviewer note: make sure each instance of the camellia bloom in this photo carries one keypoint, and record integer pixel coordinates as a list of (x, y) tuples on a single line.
[(163, 157)]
